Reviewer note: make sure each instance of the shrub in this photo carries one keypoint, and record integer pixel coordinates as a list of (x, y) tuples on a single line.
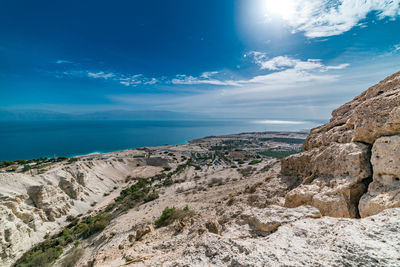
[(150, 197), (255, 161), (168, 182), (26, 168), (72, 258), (284, 140), (165, 218), (96, 224), (279, 153), (70, 218), (169, 215), (41, 257), (71, 160)]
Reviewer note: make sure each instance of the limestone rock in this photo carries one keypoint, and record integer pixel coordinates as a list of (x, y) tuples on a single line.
[(333, 178), (49, 199), (213, 227), (70, 187), (334, 170), (372, 114), (143, 231), (266, 221), (384, 191)]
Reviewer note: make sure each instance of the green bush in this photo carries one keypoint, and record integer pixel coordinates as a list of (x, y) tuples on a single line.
[(169, 215), (166, 217), (72, 258), (279, 153), (284, 140), (254, 162), (26, 168), (150, 197), (168, 182), (40, 258), (95, 224)]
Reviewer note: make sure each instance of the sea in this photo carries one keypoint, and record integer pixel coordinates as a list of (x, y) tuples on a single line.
[(36, 139)]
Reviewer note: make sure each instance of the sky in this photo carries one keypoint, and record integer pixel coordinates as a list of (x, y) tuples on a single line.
[(261, 59)]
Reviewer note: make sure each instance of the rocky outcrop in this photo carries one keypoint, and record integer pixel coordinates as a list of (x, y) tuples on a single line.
[(384, 191), (50, 200), (70, 187), (335, 169)]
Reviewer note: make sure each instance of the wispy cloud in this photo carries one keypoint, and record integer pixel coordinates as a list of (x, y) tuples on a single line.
[(321, 18), (61, 61), (205, 78), (127, 80), (286, 62), (279, 71), (288, 84), (284, 69), (152, 81), (101, 75)]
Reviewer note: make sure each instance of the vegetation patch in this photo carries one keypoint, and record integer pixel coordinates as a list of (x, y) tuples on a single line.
[(279, 153), (26, 165), (254, 162), (169, 215), (141, 191), (73, 257), (284, 140), (45, 253)]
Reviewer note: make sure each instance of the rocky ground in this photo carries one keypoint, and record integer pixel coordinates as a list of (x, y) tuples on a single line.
[(235, 200)]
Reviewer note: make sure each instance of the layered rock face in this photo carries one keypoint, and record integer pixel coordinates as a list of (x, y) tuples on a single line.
[(337, 167)]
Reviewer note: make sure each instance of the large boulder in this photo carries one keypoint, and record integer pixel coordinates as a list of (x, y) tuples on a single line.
[(335, 170)]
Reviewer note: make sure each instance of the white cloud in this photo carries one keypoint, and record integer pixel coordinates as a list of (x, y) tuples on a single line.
[(61, 61), (101, 75), (208, 74), (136, 80), (286, 62), (152, 81), (321, 18), (286, 70), (281, 71), (288, 86), (203, 79), (125, 83), (132, 80)]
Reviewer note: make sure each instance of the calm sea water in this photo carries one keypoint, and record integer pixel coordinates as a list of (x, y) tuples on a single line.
[(26, 140)]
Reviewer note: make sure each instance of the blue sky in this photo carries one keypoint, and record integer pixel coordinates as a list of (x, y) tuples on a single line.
[(277, 59)]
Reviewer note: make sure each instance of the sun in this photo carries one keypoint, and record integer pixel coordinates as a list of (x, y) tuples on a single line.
[(282, 8)]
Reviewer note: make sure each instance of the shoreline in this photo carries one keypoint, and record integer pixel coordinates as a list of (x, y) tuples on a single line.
[(97, 152)]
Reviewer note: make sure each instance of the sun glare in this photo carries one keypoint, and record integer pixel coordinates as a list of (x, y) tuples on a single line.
[(282, 8)]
